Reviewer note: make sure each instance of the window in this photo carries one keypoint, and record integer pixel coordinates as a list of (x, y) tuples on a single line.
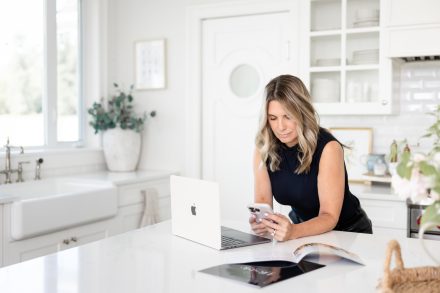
[(40, 84)]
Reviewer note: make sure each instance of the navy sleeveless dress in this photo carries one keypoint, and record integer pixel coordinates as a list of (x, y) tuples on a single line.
[(300, 191)]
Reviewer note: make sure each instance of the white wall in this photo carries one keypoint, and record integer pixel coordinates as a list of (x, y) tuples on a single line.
[(163, 148), (133, 20)]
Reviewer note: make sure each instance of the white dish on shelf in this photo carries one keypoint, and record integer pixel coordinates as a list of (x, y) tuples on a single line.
[(369, 56), (365, 23), (328, 62), (367, 13), (363, 62), (325, 90)]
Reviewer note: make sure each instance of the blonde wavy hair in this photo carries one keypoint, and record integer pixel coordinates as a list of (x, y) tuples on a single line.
[(292, 94)]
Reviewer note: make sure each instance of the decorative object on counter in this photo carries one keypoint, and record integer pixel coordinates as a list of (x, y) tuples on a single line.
[(38, 163), (377, 169), (358, 142), (401, 279), (406, 149), (370, 160), (418, 178), (380, 167), (393, 157), (150, 64), (121, 129)]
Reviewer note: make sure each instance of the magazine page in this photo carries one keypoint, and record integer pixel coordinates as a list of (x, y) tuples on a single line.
[(262, 274), (321, 248)]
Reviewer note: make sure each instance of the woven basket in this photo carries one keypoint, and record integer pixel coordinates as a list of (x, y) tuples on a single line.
[(400, 279)]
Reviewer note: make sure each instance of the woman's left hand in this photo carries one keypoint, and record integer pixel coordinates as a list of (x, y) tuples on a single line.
[(279, 226)]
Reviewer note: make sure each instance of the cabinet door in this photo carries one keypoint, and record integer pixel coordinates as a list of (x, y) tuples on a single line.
[(85, 234), (345, 67), (386, 214), (410, 12), (18, 251), (134, 202), (129, 218)]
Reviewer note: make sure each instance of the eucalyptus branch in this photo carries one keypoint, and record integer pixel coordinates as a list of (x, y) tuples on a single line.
[(118, 113)]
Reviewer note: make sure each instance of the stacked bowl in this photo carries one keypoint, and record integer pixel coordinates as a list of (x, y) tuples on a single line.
[(366, 18)]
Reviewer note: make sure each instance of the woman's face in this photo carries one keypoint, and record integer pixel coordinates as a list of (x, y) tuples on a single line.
[(282, 124)]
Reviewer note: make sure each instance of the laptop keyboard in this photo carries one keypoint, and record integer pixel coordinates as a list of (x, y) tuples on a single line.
[(231, 242)]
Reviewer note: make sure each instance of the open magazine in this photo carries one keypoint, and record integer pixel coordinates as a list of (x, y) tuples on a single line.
[(321, 248), (263, 273), (273, 265)]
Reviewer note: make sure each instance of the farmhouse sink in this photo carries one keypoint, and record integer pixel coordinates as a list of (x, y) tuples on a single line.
[(50, 205)]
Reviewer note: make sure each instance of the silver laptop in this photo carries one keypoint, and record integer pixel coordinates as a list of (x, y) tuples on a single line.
[(195, 215)]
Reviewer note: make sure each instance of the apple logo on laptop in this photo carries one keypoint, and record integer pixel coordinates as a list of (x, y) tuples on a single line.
[(193, 209)]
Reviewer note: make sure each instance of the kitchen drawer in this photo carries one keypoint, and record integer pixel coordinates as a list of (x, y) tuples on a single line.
[(133, 194), (386, 214)]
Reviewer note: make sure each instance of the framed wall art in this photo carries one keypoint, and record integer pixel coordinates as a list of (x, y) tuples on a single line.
[(359, 142), (150, 64)]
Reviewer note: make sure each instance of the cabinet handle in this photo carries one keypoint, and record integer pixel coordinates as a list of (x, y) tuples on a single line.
[(74, 239), (66, 241), (384, 102)]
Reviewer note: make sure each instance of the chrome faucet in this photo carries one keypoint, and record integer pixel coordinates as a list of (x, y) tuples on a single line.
[(8, 171)]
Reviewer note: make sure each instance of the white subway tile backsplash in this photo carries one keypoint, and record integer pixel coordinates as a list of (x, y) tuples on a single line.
[(431, 72), (434, 84), (424, 96), (409, 84), (420, 93)]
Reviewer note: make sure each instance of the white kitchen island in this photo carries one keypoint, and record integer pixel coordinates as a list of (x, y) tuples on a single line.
[(153, 260)]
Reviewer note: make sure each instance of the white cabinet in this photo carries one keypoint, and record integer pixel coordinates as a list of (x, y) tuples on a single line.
[(411, 13), (389, 217), (145, 196), (343, 62), (17, 251), (150, 199), (413, 28)]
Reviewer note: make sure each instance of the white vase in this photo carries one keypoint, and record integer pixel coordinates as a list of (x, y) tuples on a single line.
[(122, 149)]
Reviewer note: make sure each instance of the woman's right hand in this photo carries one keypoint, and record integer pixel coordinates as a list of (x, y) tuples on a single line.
[(258, 228)]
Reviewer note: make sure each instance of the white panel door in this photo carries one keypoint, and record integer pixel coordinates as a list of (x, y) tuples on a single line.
[(240, 55)]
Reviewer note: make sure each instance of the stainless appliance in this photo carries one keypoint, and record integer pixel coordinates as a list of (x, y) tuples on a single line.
[(415, 212)]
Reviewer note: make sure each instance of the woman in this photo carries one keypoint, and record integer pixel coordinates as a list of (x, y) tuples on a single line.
[(301, 165)]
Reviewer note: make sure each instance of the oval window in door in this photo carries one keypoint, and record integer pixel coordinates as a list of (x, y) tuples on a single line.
[(244, 80)]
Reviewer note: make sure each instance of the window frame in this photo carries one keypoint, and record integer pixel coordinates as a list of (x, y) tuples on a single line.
[(50, 83)]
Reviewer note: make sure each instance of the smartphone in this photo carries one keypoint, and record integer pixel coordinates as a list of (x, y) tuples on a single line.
[(259, 210)]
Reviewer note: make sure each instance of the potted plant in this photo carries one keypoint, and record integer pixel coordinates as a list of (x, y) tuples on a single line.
[(121, 129)]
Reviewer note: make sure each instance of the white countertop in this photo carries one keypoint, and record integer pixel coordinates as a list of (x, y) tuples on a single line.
[(153, 260), (122, 178), (366, 191), (12, 192)]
